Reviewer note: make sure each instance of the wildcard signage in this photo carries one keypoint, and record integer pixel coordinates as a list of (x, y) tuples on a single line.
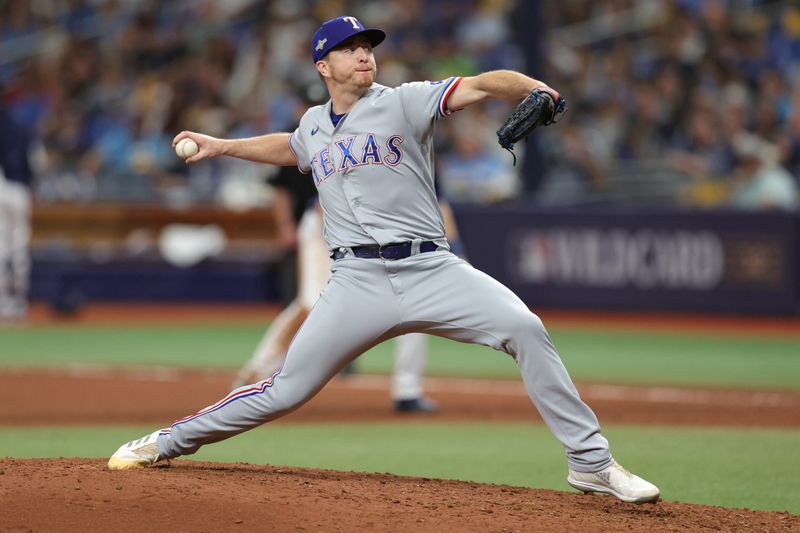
[(693, 261)]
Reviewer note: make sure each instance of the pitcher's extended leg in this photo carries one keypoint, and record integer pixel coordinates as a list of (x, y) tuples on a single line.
[(492, 315), (355, 312)]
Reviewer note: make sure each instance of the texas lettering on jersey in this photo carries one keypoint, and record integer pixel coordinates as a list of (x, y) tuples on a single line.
[(355, 151)]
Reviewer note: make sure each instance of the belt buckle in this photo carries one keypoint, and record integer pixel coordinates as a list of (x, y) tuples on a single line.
[(380, 252)]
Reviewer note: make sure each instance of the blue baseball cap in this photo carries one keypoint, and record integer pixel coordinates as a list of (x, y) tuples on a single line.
[(335, 31)]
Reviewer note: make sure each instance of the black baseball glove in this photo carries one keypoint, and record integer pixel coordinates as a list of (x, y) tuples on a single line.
[(537, 109)]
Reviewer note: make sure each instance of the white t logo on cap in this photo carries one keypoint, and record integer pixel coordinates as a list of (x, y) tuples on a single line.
[(321, 43), (354, 22)]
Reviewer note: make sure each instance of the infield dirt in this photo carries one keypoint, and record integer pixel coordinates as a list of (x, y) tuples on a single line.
[(81, 495)]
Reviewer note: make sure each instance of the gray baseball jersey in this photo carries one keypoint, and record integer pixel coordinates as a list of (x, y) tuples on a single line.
[(374, 172)]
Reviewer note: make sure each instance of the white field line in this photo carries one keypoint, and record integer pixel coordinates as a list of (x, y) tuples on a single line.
[(471, 386), (657, 395)]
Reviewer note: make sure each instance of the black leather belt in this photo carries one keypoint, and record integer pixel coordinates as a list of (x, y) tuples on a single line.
[(389, 251)]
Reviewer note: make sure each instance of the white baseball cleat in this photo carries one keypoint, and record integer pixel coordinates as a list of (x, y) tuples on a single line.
[(136, 454), (616, 481)]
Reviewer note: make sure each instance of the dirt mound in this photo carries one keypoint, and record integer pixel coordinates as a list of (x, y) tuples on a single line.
[(81, 495)]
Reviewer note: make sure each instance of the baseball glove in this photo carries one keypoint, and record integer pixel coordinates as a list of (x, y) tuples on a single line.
[(537, 109)]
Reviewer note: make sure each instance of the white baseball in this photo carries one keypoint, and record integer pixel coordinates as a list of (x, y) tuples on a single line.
[(186, 147)]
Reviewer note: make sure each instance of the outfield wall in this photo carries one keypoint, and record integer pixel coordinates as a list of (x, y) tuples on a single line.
[(590, 258), (720, 261)]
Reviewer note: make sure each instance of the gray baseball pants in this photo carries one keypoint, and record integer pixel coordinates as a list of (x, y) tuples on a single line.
[(368, 301)]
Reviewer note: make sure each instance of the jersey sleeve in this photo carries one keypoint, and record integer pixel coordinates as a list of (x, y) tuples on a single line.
[(300, 151), (425, 101)]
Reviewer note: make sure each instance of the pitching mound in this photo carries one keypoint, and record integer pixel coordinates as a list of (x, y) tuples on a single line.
[(81, 495)]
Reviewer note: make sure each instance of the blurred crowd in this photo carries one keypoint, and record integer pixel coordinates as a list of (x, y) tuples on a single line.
[(696, 96), (701, 94), (105, 85)]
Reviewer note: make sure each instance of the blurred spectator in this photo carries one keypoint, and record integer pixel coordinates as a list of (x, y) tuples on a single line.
[(295, 193), (789, 140), (575, 168), (760, 182), (705, 156), (472, 173)]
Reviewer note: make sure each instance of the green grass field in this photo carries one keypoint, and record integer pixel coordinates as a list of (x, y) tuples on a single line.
[(727, 467), (754, 468), (771, 362)]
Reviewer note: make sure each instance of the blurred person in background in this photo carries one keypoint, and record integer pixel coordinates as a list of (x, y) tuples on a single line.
[(577, 168), (473, 170), (759, 181), (15, 217), (789, 140), (294, 194), (706, 156)]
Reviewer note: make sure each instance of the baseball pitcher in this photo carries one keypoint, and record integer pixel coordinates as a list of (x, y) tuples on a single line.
[(369, 150)]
